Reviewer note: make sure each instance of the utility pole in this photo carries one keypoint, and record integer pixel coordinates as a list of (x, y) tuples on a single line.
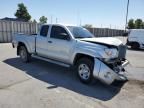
[(110, 26), (51, 19), (56, 20), (101, 25), (80, 22), (127, 14)]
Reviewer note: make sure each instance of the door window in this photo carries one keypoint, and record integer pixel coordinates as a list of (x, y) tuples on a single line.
[(59, 33)]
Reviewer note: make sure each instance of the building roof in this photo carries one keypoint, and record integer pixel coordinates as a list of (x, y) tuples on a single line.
[(13, 19)]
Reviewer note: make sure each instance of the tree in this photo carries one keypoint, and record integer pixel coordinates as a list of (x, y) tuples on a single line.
[(131, 24), (138, 24), (143, 25), (87, 26), (43, 19), (22, 12), (34, 21)]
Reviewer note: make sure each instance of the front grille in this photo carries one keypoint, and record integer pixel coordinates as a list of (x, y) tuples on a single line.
[(122, 51)]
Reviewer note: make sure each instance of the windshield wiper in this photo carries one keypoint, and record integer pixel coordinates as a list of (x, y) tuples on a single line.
[(79, 37), (83, 37)]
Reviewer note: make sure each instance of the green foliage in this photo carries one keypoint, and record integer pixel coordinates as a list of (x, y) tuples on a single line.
[(34, 21), (143, 25), (136, 24), (131, 24), (43, 19), (22, 12), (87, 26)]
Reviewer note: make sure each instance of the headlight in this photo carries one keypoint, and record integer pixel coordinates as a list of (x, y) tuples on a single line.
[(108, 52), (111, 52)]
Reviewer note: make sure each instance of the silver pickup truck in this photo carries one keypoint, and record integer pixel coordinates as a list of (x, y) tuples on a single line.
[(66, 45)]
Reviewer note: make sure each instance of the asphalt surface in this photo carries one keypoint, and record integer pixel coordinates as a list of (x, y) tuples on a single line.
[(39, 84)]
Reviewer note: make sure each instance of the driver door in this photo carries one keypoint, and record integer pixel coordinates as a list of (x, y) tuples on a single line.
[(60, 44)]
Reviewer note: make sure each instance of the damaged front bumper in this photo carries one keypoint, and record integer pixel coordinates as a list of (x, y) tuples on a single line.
[(106, 74)]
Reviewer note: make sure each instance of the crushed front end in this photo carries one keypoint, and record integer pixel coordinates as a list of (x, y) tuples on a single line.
[(109, 70)]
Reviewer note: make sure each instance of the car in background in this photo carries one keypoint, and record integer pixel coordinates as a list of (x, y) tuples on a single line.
[(136, 39)]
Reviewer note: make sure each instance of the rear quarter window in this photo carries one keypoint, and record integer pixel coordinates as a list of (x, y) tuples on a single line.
[(44, 30)]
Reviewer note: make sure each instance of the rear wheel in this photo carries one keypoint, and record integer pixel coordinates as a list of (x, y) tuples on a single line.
[(135, 45), (24, 55), (85, 70)]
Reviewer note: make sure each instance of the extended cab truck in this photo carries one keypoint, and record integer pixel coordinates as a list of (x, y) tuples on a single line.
[(100, 58)]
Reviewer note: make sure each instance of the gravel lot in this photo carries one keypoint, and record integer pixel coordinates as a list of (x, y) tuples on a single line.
[(44, 85)]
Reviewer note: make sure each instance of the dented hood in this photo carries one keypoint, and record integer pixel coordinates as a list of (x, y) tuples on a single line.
[(108, 41)]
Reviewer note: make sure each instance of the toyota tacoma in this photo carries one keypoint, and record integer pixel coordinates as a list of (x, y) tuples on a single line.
[(102, 58)]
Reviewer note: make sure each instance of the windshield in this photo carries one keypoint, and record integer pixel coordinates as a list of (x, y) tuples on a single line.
[(80, 32)]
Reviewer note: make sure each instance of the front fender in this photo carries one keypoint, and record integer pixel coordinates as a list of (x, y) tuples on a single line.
[(89, 51), (84, 51)]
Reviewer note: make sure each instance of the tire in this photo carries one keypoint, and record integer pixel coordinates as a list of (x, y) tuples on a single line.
[(84, 69), (24, 55), (135, 46)]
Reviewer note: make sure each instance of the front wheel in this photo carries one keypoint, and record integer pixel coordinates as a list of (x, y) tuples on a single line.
[(135, 46), (85, 70), (24, 55)]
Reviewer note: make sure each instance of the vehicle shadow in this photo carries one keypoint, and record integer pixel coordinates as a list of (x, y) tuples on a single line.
[(142, 50), (58, 76)]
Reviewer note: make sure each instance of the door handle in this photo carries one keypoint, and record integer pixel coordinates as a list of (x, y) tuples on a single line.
[(49, 41)]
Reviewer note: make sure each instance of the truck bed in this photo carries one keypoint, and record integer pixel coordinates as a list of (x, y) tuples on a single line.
[(28, 39)]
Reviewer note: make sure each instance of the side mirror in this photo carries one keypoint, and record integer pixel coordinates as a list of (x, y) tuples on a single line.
[(64, 36)]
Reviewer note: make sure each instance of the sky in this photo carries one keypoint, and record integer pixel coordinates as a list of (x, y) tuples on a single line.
[(99, 13)]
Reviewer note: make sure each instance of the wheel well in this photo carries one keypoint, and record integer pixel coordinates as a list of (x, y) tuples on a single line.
[(134, 43), (19, 45), (79, 56)]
